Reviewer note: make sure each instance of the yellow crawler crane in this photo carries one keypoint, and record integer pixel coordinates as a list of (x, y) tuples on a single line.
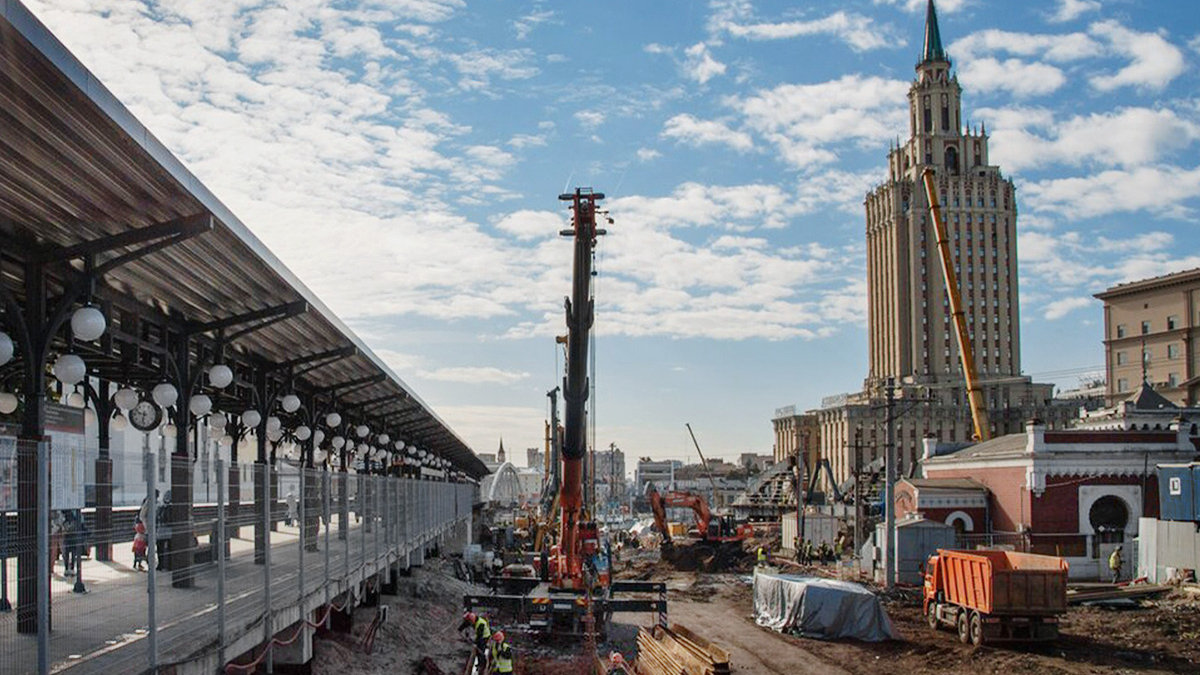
[(966, 351)]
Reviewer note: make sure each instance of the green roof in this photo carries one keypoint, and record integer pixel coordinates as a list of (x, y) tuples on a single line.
[(933, 38)]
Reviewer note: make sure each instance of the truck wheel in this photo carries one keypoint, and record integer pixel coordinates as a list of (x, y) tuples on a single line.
[(977, 638), (964, 629), (931, 616)]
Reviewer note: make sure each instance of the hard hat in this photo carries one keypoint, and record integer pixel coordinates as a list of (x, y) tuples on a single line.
[(469, 616), (498, 636), (615, 658)]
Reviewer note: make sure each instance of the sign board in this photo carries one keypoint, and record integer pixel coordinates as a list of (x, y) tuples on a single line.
[(68, 456)]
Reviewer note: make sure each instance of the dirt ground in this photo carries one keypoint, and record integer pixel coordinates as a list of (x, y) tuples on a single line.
[(421, 623), (1162, 636)]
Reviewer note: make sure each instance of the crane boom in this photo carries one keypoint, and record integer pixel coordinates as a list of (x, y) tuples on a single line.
[(579, 313), (966, 351)]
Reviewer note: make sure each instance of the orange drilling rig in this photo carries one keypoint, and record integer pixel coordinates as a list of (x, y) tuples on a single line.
[(575, 594)]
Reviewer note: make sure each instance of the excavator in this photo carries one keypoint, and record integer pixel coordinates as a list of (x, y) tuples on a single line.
[(574, 593), (719, 539)]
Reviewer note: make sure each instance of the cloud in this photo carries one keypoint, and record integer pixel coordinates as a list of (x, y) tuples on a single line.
[(860, 32), (687, 129), (943, 6), (474, 375), (1160, 190), (1059, 48), (526, 225), (1059, 308), (1155, 62), (648, 154), (1027, 138), (699, 64), (589, 119), (807, 121), (1016, 76), (1069, 10), (526, 24), (483, 426)]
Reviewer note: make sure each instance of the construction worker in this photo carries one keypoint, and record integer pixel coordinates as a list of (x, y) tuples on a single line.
[(502, 655), (1114, 564), (761, 558), (482, 633)]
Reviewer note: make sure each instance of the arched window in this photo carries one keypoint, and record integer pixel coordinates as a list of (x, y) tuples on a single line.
[(945, 113), (928, 116), (952, 160)]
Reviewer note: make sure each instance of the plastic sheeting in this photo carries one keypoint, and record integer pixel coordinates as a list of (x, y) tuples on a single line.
[(819, 608)]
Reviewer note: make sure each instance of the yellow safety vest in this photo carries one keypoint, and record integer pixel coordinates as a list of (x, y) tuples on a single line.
[(503, 659), (482, 630), (1114, 560)]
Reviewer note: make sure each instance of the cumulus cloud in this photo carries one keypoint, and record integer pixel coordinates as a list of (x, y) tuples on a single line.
[(687, 129), (527, 225), (474, 375), (700, 65), (1155, 61), (1016, 76), (806, 122), (1059, 308), (648, 154), (1069, 10), (525, 25), (943, 6), (1159, 190), (590, 119)]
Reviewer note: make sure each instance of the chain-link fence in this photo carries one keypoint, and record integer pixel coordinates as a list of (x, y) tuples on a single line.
[(199, 562)]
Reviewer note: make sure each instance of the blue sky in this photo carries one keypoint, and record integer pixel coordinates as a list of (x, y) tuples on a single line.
[(403, 157)]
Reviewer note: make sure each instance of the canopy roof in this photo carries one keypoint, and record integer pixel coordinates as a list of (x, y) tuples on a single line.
[(76, 167)]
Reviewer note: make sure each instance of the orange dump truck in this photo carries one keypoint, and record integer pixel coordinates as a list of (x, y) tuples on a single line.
[(996, 595)]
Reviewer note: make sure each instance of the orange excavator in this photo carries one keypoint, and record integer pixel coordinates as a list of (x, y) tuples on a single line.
[(718, 538)]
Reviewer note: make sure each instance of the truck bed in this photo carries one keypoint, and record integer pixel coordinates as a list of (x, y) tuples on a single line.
[(1005, 582)]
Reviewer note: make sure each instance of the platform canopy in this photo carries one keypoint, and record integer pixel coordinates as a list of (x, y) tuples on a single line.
[(87, 191)]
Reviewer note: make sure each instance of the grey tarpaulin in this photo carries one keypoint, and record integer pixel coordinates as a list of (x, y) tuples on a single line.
[(819, 608)]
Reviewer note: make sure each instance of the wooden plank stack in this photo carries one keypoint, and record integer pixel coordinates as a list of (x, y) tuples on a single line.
[(678, 651)]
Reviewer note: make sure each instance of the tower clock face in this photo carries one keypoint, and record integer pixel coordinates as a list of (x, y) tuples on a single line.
[(145, 416)]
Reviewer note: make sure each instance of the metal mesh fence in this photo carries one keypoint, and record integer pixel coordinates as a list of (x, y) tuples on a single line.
[(171, 557)]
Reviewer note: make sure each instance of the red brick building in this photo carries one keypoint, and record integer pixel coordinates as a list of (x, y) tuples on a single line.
[(1076, 493)]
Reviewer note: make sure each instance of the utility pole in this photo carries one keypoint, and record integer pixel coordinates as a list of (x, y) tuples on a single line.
[(858, 491), (889, 499)]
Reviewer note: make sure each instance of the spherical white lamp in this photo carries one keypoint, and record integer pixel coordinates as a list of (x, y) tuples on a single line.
[(217, 421), (8, 403), (169, 430), (362, 430), (273, 423), (338, 442), (399, 445), (125, 398), (6, 348), (118, 423), (226, 440), (318, 437), (303, 433), (165, 394), (87, 323), (89, 416), (200, 405), (290, 403), (69, 369), (384, 438), (75, 399), (220, 376), (333, 420), (274, 435), (251, 419)]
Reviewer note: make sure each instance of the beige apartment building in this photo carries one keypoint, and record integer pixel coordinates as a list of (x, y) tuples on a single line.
[(1152, 332), (910, 331)]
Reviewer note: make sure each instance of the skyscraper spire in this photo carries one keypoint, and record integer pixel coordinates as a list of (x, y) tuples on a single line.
[(933, 38)]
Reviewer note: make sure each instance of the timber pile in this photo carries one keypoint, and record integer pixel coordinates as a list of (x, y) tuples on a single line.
[(1100, 593), (678, 651)]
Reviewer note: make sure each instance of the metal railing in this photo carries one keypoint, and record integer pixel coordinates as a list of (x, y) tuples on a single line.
[(217, 580)]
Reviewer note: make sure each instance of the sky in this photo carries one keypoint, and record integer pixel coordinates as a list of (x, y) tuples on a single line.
[(404, 158)]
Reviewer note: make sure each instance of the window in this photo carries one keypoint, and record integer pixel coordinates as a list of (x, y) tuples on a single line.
[(1172, 322), (1173, 380), (1121, 359), (1172, 351), (1145, 328), (1146, 355), (1122, 385), (1121, 330)]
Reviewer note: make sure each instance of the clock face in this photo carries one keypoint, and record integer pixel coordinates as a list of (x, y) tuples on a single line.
[(146, 415)]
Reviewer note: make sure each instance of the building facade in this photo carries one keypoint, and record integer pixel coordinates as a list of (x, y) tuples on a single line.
[(912, 340), (1152, 332)]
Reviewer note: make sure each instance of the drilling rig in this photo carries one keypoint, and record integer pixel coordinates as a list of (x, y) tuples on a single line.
[(575, 594)]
